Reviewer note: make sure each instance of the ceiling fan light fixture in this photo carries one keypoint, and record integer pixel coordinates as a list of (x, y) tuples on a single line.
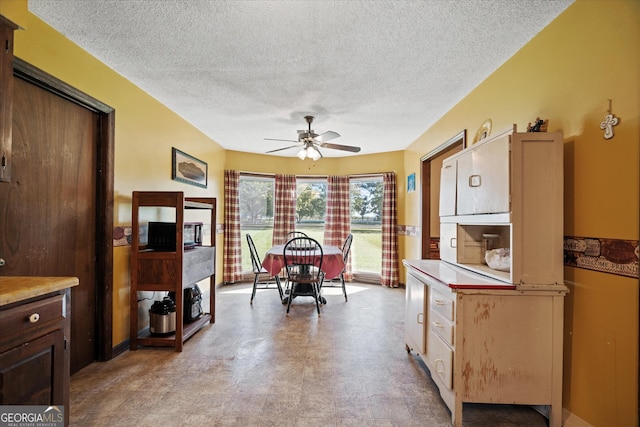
[(309, 141), (314, 153)]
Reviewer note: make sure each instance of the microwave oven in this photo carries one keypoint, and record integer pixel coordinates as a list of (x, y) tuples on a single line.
[(162, 235)]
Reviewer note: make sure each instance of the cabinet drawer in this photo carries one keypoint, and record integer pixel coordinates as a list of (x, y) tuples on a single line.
[(440, 358), (442, 327), (24, 317), (442, 304)]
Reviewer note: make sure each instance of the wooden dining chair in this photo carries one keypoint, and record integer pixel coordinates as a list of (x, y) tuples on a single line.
[(260, 274), (303, 263), (346, 248), (294, 234)]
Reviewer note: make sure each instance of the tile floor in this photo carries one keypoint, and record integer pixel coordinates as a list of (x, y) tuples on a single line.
[(258, 367)]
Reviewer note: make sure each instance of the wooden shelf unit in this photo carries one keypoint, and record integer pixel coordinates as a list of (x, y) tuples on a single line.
[(170, 271)]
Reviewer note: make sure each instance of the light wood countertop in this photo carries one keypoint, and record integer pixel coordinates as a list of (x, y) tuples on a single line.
[(20, 288)]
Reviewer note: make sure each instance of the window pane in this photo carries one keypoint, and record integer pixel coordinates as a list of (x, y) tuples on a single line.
[(366, 224), (311, 203), (256, 215)]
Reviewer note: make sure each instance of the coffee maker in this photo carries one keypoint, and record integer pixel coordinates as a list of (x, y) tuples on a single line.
[(192, 300)]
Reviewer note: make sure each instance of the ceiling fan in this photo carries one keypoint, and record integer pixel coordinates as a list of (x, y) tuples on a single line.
[(309, 142)]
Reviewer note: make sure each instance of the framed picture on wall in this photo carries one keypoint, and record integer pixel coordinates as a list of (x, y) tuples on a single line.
[(411, 183), (188, 169)]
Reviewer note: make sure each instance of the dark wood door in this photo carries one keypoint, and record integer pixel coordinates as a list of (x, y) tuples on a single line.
[(48, 210)]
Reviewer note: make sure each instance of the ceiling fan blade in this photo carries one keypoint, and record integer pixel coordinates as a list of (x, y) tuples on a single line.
[(340, 147), (285, 140), (327, 136), (280, 149)]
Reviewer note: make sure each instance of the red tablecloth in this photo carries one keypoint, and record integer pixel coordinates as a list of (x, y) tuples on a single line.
[(332, 262)]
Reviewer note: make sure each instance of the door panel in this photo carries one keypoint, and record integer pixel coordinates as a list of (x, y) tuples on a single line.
[(483, 179), (448, 182), (48, 211)]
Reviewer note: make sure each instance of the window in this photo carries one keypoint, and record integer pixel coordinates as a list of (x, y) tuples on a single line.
[(256, 214), (257, 209), (311, 203), (366, 224)]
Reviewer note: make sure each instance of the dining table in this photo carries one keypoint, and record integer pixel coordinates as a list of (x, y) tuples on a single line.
[(332, 261)]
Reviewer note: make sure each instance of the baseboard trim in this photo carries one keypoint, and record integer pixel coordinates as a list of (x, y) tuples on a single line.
[(120, 348), (570, 419)]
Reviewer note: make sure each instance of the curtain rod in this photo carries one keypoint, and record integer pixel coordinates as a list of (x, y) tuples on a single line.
[(271, 175)]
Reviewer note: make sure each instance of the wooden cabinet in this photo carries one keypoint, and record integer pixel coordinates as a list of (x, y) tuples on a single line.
[(6, 96), (173, 270), (487, 342), (493, 333), (506, 192), (34, 346)]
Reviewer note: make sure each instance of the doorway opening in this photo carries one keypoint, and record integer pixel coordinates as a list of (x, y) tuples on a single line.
[(430, 166)]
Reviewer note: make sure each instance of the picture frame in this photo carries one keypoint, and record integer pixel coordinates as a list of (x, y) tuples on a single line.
[(186, 168), (411, 183)]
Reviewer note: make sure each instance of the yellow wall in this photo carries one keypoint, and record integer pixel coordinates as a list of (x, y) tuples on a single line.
[(566, 74), (352, 165), (144, 134), (385, 162)]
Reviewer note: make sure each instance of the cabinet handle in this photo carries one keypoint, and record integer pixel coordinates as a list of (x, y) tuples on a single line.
[(439, 302), (475, 181), (420, 318), (453, 242), (437, 325), (34, 318), (440, 366)]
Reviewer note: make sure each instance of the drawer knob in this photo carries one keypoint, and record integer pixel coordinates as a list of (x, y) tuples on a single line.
[(34, 318)]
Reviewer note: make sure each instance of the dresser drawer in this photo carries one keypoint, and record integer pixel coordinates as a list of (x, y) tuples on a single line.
[(440, 358), (441, 326), (442, 304), (31, 315)]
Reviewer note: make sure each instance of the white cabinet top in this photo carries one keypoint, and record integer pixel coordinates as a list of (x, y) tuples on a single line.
[(464, 281), (455, 277)]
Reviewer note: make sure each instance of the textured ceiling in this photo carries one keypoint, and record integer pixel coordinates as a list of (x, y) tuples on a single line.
[(380, 73)]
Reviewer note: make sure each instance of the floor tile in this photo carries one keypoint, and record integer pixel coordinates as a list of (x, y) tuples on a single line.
[(258, 366)]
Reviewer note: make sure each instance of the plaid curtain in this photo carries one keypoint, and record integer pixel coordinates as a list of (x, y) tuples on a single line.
[(284, 215), (232, 242), (337, 223), (389, 276)]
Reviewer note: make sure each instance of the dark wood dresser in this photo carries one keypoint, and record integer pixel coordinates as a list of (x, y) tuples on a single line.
[(34, 341)]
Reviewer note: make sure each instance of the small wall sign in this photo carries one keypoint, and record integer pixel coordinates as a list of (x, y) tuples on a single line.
[(411, 183)]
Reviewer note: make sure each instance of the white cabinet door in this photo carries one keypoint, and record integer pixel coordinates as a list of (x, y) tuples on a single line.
[(415, 314), (448, 182), (448, 241), (483, 178)]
